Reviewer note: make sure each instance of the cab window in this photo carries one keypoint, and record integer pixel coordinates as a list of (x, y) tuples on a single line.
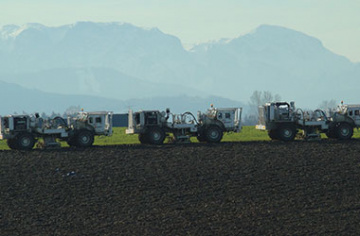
[(227, 115), (98, 120), (357, 112)]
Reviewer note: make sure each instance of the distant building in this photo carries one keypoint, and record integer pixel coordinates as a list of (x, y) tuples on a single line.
[(120, 120)]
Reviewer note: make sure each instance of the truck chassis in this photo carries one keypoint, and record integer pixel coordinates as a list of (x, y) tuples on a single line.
[(22, 132), (283, 121), (153, 126)]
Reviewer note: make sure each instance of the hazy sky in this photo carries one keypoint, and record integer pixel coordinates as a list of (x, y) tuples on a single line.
[(335, 22)]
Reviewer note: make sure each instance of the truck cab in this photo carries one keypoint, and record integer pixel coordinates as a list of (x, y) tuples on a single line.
[(229, 118), (274, 113), (101, 121), (139, 121), (351, 111), (11, 125)]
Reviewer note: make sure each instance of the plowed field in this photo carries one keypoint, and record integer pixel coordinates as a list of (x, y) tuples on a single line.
[(252, 188)]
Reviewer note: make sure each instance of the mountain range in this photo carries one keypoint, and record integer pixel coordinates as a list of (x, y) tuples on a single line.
[(17, 99), (121, 62)]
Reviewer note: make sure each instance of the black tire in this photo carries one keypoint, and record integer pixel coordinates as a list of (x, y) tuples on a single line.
[(331, 133), (155, 135), (344, 131), (286, 132), (84, 138), (25, 141), (273, 134), (142, 139), (11, 144), (201, 138), (213, 134), (71, 142)]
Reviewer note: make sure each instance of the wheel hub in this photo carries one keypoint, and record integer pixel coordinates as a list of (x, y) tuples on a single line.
[(25, 141), (84, 139), (214, 134), (287, 133), (344, 132), (156, 136)]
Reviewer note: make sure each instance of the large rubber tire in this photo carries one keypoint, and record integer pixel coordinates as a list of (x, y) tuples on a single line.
[(344, 131), (142, 139), (71, 142), (155, 135), (12, 144), (286, 132), (201, 138), (25, 141), (213, 134), (273, 134), (84, 138), (331, 133)]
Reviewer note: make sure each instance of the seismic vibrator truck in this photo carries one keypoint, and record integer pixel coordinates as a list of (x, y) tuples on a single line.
[(282, 121), (153, 126), (23, 131)]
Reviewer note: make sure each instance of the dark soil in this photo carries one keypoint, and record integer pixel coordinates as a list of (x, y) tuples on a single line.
[(252, 188)]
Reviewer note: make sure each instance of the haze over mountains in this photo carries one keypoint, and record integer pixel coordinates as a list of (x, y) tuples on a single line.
[(122, 63)]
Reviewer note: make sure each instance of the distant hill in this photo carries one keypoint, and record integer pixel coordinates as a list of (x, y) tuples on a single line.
[(17, 99), (102, 82), (122, 61)]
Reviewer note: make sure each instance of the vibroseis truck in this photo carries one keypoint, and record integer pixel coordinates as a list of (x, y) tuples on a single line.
[(23, 131), (282, 121), (153, 126)]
